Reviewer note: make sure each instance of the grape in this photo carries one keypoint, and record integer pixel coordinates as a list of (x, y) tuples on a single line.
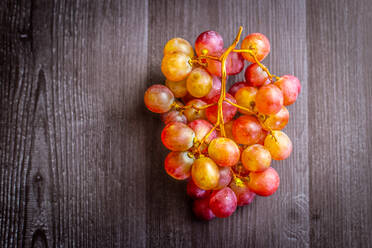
[(245, 97), (173, 116), (279, 147), (216, 88), (178, 165), (205, 173), (269, 99), (195, 192), (177, 136), (202, 210), (255, 76), (176, 66), (264, 183), (259, 44), (240, 170), (243, 194), (224, 151), (211, 41), (193, 114), (228, 110), (199, 82), (158, 98), (225, 178), (228, 130), (178, 88), (234, 64), (246, 130), (179, 45), (236, 86), (277, 121), (256, 158), (223, 202), (202, 128), (290, 86), (262, 137)]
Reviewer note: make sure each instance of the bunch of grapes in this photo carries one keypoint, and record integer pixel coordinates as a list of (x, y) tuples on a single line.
[(222, 142)]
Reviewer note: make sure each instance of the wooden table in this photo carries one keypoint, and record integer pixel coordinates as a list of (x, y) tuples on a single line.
[(81, 161)]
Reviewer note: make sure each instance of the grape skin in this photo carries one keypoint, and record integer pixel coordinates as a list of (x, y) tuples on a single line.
[(243, 194), (199, 82), (202, 210), (279, 147), (195, 192), (179, 45), (192, 113), (256, 158), (269, 99), (223, 202), (224, 151), (228, 110), (176, 66), (177, 136), (259, 44), (205, 173), (246, 130), (178, 165), (158, 98), (211, 41), (264, 183), (255, 76), (173, 116), (178, 88)]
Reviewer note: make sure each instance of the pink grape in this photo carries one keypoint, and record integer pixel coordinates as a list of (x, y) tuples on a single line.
[(277, 121), (202, 210), (256, 158), (234, 64), (192, 113), (224, 151), (176, 66), (205, 173), (158, 98), (279, 145), (179, 45), (178, 165), (210, 41), (177, 136), (173, 116), (202, 128), (290, 86), (225, 178), (223, 202)]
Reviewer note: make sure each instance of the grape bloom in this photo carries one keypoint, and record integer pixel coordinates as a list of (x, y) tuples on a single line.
[(224, 143)]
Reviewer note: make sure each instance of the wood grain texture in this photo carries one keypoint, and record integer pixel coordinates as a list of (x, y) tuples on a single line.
[(340, 150), (81, 161)]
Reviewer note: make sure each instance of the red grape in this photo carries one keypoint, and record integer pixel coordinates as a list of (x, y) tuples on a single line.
[(228, 110), (246, 130), (255, 76), (178, 165), (158, 98), (243, 194), (269, 99), (195, 192), (290, 86), (223, 202), (279, 147), (259, 45), (210, 41), (224, 151), (236, 86), (264, 183), (177, 136), (262, 137), (202, 210)]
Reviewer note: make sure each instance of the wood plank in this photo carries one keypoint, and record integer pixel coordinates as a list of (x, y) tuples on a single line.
[(71, 125), (282, 219), (340, 99)]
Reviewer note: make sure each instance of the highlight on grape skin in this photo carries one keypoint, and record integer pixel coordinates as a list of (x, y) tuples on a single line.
[(223, 143)]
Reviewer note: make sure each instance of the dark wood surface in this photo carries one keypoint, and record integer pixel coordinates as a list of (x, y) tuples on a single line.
[(81, 161)]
